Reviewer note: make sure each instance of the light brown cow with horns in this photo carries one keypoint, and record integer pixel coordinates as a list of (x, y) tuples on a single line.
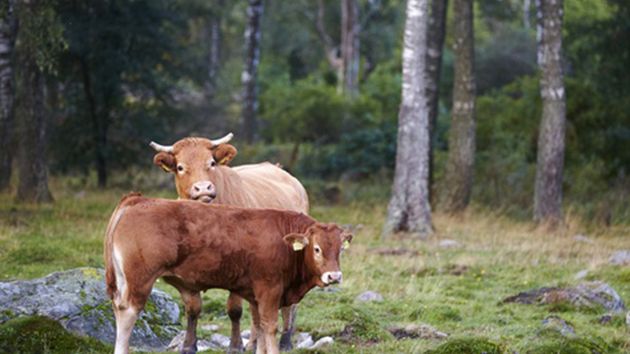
[(201, 171)]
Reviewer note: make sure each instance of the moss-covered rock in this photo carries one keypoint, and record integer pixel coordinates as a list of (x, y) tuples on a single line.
[(471, 345), (361, 324), (37, 334)]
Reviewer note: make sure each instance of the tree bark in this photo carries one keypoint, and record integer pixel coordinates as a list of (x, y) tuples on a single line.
[(409, 209), (435, 44), (99, 126), (349, 73), (8, 31), (461, 158), (248, 77), (214, 54), (550, 161), (33, 127), (526, 6)]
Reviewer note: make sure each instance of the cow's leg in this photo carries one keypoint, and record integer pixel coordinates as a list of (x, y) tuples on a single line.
[(192, 305), (269, 325), (125, 319), (258, 342), (253, 334), (235, 311), (289, 314)]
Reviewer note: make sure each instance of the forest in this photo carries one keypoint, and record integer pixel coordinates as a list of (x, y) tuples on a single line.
[(479, 151)]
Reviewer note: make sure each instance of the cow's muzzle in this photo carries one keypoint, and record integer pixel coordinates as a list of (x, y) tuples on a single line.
[(203, 191), (331, 278)]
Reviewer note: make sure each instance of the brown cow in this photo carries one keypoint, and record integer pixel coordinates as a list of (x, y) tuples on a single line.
[(269, 257), (201, 173)]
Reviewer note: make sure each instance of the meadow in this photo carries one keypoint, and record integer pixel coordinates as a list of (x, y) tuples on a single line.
[(457, 290)]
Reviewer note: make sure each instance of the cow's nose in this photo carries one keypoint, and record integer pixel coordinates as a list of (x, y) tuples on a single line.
[(203, 190), (332, 277)]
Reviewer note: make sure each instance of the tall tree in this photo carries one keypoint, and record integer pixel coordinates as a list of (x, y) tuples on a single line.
[(249, 75), (409, 209), (8, 31), (349, 79), (550, 161), (214, 54), (461, 158), (435, 44)]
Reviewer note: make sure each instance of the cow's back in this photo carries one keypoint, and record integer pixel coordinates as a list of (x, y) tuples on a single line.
[(269, 186)]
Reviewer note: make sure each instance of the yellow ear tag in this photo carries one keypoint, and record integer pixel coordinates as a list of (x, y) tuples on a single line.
[(346, 244), (297, 246), (223, 161), (166, 169)]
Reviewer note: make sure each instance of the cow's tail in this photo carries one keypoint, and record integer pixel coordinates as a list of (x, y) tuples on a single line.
[(114, 276)]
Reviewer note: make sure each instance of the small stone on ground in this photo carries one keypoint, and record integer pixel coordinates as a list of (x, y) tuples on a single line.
[(620, 258), (369, 296), (449, 243)]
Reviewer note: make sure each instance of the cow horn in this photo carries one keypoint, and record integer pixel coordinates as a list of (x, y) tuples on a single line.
[(161, 148), (223, 140)]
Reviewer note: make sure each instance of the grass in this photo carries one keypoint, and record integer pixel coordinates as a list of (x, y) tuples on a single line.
[(456, 290)]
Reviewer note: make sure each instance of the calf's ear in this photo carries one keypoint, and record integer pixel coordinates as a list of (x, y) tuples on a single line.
[(224, 153), (165, 160), (297, 241), (346, 238)]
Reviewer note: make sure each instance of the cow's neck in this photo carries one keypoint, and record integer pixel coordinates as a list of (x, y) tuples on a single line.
[(230, 187)]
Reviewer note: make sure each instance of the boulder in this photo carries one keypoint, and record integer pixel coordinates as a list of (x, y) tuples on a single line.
[(620, 258), (557, 324), (77, 300), (586, 294), (369, 296)]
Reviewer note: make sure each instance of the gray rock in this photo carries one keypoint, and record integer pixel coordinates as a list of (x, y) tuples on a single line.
[(369, 296), (304, 340), (600, 293), (210, 327), (583, 238), (581, 274), (322, 342), (423, 331), (77, 300), (449, 244), (220, 340), (202, 344), (620, 258), (628, 319), (559, 325)]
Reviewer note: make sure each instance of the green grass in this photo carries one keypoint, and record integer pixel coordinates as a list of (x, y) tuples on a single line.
[(457, 290)]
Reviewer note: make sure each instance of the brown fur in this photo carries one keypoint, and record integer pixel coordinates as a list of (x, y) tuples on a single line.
[(197, 247)]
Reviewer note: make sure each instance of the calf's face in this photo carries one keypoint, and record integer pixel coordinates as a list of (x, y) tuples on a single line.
[(322, 245), (195, 163)]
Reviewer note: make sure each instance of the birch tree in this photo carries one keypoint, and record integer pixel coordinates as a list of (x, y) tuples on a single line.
[(409, 209), (550, 160), (8, 30), (461, 157), (349, 74), (248, 77)]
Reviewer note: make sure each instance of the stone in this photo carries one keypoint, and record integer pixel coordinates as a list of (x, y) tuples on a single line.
[(303, 340), (628, 319), (322, 342), (583, 238), (210, 327), (422, 331), (581, 274), (586, 294), (555, 323), (449, 243), (369, 296), (78, 301), (177, 343), (620, 258)]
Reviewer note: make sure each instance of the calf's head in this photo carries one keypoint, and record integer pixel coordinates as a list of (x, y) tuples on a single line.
[(322, 245), (195, 162)]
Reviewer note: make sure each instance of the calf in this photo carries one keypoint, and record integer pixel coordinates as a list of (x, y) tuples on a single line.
[(272, 258)]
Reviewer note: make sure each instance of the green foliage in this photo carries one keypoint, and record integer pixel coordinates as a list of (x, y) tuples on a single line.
[(468, 346), (42, 335), (360, 323)]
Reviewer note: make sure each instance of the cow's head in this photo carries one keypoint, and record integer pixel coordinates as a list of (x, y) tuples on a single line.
[(195, 163), (322, 245)]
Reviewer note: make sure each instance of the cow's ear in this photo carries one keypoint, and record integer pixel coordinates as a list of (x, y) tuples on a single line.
[(224, 153), (297, 241), (165, 160), (346, 238)]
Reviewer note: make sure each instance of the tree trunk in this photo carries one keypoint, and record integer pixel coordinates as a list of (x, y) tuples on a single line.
[(526, 6), (214, 55), (349, 73), (99, 128), (435, 44), (409, 209), (550, 162), (33, 126), (461, 157), (8, 30), (248, 77)]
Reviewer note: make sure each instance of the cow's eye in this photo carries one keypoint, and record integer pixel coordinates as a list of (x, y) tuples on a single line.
[(180, 168), (317, 250), (213, 163)]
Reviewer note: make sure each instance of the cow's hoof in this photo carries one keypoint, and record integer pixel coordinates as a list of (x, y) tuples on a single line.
[(285, 342), (192, 350)]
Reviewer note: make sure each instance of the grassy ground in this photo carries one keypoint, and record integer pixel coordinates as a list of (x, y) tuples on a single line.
[(457, 290)]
